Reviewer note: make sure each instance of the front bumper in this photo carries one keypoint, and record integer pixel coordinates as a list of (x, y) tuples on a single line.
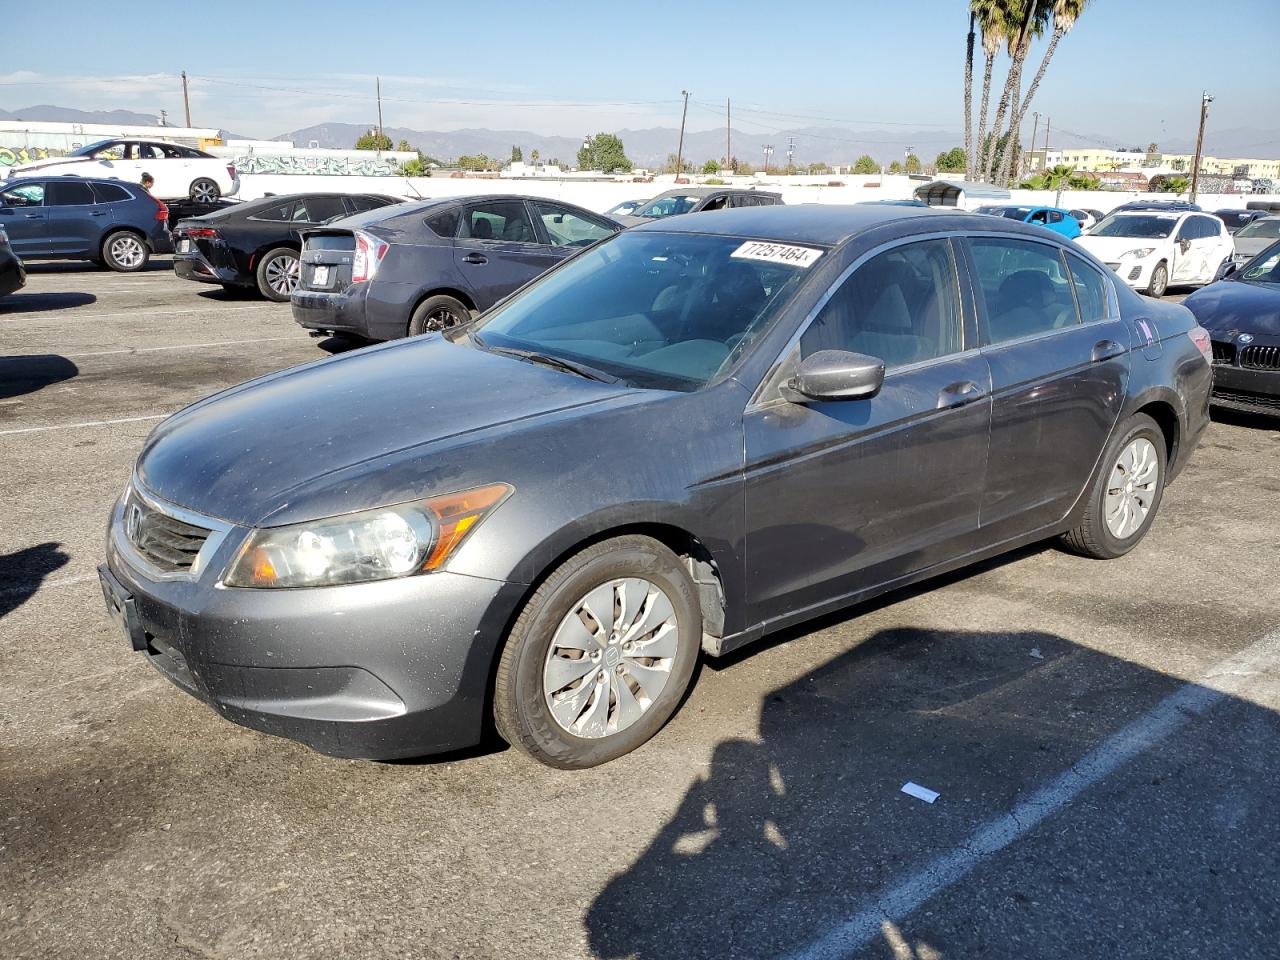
[(1245, 389), (1135, 273), (383, 670)]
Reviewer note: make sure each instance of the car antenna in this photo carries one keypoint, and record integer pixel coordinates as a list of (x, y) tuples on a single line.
[(409, 184)]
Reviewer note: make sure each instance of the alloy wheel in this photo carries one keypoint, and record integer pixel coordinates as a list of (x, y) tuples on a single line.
[(610, 658), (204, 191), (127, 251), (441, 319), (1131, 488), (282, 275)]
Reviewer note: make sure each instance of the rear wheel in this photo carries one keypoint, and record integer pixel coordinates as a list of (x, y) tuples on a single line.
[(1159, 281), (205, 190), (600, 656), (124, 251), (438, 313), (1126, 492), (277, 274)]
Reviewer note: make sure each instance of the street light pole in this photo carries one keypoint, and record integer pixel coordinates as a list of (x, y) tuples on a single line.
[(680, 148), (1205, 100)]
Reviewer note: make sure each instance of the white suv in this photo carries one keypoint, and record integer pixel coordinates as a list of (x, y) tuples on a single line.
[(1152, 249), (179, 171)]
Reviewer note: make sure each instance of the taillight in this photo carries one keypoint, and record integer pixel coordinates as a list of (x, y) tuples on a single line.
[(1200, 337), (201, 232), (231, 170), (162, 211), (369, 253)]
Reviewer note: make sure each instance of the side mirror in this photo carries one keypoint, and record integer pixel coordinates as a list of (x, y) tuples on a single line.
[(1184, 245), (835, 375)]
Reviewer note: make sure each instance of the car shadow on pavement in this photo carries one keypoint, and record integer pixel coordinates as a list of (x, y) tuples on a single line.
[(22, 572), (44, 302), (156, 263), (232, 293), (27, 374), (1243, 418), (804, 826)]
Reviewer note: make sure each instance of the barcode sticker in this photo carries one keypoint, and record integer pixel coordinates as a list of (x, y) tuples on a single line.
[(803, 257)]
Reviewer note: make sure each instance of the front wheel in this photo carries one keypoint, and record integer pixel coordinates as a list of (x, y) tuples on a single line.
[(1125, 494), (277, 274), (600, 656), (205, 190), (1159, 281), (438, 313), (125, 252)]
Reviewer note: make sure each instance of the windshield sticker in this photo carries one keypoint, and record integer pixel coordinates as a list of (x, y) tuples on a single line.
[(803, 257)]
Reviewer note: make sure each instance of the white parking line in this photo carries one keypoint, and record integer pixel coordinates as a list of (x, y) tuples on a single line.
[(179, 346), (1230, 677), (72, 315), (86, 423)]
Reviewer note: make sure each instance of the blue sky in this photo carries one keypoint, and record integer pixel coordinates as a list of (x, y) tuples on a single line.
[(1129, 73)]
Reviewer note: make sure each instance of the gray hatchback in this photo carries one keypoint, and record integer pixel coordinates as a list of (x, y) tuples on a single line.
[(686, 437)]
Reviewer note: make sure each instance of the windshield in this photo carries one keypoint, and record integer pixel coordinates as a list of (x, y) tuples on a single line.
[(669, 311), (1268, 229), (1264, 268), (1013, 213), (1142, 226), (88, 150), (667, 206)]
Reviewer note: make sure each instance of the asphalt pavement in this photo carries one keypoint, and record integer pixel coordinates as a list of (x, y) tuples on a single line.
[(1103, 736)]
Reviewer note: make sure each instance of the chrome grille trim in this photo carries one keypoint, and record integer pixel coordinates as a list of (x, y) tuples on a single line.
[(163, 548)]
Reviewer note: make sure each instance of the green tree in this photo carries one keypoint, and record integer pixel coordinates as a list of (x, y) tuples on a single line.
[(951, 161), (603, 152), (895, 167), (403, 146), (372, 141), (995, 148), (913, 164), (477, 163), (741, 167), (414, 168), (533, 155), (517, 155), (993, 19), (711, 167), (864, 164), (814, 169), (670, 166)]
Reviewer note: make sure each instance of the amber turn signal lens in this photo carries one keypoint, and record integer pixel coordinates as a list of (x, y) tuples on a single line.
[(456, 514)]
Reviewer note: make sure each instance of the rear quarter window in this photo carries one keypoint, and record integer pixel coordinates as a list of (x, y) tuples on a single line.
[(110, 193), (445, 223)]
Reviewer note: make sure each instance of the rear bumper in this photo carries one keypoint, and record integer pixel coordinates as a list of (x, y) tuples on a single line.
[(332, 312), (190, 266), (13, 276)]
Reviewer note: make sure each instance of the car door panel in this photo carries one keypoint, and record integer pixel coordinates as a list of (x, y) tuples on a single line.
[(25, 219), (75, 222), (493, 267)]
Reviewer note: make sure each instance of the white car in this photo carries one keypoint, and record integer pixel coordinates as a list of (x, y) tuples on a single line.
[(180, 172), (1153, 249)]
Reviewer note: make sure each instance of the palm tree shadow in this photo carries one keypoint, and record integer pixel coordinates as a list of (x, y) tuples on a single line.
[(22, 572)]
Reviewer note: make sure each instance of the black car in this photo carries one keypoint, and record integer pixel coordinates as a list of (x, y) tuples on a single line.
[(697, 200), (428, 266), (13, 275), (696, 433), (1242, 315), (255, 245), (1235, 219), (110, 222), (1168, 206)]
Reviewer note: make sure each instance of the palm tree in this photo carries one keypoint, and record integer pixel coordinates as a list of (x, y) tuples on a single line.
[(1029, 16), (968, 96), (993, 21), (1065, 14)]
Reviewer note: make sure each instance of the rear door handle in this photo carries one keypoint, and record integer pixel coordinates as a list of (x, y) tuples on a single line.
[(475, 258), (97, 213), (958, 394), (1105, 350)]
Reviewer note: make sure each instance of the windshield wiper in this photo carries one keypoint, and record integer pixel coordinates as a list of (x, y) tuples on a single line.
[(548, 360)]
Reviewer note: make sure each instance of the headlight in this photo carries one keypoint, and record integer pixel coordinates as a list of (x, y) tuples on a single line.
[(1138, 252), (377, 544)]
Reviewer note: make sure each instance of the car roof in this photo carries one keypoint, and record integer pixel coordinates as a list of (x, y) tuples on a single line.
[(409, 207), (709, 192), (35, 177), (823, 224)]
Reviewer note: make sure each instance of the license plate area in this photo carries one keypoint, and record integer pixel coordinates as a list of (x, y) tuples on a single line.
[(320, 275), (184, 246), (121, 609)]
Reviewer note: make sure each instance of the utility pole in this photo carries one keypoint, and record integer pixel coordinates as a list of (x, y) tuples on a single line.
[(680, 148), (1034, 127), (768, 149), (378, 81), (1205, 100), (728, 136), (186, 98), (1046, 143), (791, 149)]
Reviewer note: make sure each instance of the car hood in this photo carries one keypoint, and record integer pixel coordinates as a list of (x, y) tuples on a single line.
[(253, 451), (1111, 248), (1252, 246), (1229, 307)]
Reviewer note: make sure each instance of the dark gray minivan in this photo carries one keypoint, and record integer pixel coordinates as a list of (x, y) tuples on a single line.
[(686, 437)]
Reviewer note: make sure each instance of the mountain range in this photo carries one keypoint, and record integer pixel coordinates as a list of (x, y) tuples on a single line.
[(650, 147)]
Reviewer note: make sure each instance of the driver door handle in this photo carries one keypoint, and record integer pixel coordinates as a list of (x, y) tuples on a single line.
[(475, 258), (1105, 350), (958, 394)]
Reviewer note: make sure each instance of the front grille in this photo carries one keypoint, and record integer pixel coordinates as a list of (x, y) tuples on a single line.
[(1271, 401), (1260, 358), (165, 541), (1223, 352)]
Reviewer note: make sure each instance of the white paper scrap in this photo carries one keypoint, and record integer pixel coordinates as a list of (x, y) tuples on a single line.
[(919, 792)]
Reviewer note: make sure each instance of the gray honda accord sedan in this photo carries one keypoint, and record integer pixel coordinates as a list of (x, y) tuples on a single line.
[(688, 436)]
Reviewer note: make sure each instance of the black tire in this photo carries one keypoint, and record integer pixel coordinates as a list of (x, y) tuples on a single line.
[(273, 270), (1091, 536), (438, 313), (204, 190), (520, 710), (1159, 281), (125, 251)]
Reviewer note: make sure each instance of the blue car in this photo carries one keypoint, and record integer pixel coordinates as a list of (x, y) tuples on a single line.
[(1051, 218), (110, 222)]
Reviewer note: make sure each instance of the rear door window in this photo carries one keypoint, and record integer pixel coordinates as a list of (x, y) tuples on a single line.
[(1025, 287), (67, 193), (318, 210), (498, 220), (282, 212), (361, 204)]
